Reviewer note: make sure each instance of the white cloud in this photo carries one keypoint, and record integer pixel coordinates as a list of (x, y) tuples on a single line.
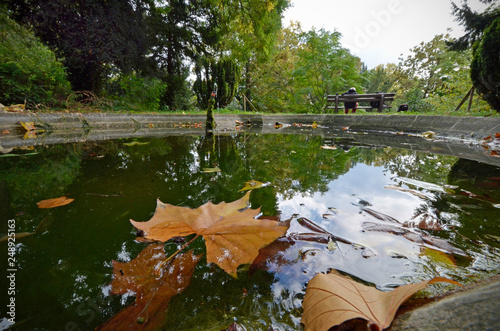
[(379, 31)]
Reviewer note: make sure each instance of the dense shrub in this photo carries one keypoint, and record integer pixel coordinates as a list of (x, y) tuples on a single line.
[(136, 92), (29, 71), (485, 67)]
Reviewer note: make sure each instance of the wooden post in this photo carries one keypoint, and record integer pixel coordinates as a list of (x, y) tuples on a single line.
[(381, 104), (465, 98), (249, 102), (336, 103), (470, 100)]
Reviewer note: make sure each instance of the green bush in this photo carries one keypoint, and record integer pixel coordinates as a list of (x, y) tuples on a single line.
[(29, 71), (137, 93), (485, 66), (415, 100)]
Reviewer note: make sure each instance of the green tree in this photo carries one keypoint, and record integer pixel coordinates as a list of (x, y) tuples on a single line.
[(456, 84), (379, 79), (474, 23), (29, 71), (482, 33), (249, 33), (91, 36), (430, 62), (220, 76), (184, 31), (304, 68), (325, 67), (426, 75), (274, 89), (485, 67)]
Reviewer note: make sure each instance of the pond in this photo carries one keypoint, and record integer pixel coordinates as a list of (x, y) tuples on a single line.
[(391, 216)]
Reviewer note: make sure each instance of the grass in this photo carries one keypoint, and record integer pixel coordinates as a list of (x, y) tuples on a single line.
[(106, 105)]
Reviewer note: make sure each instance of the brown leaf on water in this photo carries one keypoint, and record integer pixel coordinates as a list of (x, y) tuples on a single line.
[(424, 221), (154, 284), (56, 202), (416, 237), (380, 216), (413, 192), (333, 299), (232, 234)]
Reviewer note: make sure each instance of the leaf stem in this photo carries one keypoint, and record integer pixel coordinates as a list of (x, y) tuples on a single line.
[(177, 252)]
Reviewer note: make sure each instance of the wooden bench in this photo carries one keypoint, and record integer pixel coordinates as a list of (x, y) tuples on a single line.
[(381, 98)]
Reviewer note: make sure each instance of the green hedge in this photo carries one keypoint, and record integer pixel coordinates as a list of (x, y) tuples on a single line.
[(29, 71)]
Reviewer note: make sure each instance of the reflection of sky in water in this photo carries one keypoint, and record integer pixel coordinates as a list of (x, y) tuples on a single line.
[(361, 182), (392, 260)]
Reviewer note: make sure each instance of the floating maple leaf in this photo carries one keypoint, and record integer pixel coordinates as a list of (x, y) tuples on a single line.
[(232, 234), (56, 202), (154, 288), (332, 299)]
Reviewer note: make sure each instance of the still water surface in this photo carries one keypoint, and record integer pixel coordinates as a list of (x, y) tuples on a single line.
[(396, 217)]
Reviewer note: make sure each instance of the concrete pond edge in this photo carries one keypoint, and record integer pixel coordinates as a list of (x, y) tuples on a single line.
[(455, 126), (474, 308)]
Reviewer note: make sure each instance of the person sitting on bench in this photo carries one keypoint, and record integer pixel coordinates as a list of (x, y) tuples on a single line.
[(351, 105)]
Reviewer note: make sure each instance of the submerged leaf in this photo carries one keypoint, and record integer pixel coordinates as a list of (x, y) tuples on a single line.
[(440, 257), (56, 202), (253, 185), (17, 235), (153, 288), (416, 237), (232, 234), (414, 192), (332, 299), (136, 143), (211, 170)]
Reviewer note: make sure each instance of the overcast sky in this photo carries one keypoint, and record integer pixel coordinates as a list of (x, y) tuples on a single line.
[(379, 31)]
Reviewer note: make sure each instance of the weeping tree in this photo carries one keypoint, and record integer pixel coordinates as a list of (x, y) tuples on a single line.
[(220, 76)]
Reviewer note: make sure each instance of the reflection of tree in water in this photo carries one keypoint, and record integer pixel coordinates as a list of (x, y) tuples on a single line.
[(295, 163), (475, 199), (28, 179)]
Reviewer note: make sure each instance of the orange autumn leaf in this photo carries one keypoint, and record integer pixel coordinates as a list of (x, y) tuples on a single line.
[(232, 234), (333, 299), (56, 202), (153, 287)]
